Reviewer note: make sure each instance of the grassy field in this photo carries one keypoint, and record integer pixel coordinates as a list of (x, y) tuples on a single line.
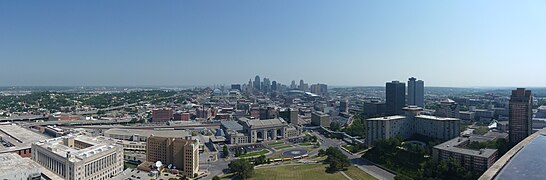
[(275, 143), (282, 147), (255, 153), (353, 149), (129, 165), (310, 172), (357, 174), (306, 144)]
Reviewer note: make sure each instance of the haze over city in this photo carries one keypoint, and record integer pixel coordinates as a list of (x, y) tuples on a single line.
[(355, 43), (273, 90)]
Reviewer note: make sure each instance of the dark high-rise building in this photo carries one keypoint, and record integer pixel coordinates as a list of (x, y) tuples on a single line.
[(290, 115), (374, 109), (257, 83), (274, 86), (236, 87), (416, 92), (344, 106), (268, 113), (266, 86), (395, 97), (521, 114)]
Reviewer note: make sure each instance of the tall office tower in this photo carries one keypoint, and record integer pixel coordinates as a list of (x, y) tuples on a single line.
[(257, 83), (293, 85), (344, 106), (290, 115), (395, 97), (250, 86), (521, 114), (416, 92), (266, 85), (301, 85), (274, 86), (183, 153), (323, 89)]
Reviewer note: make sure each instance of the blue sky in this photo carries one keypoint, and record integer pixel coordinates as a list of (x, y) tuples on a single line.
[(360, 43)]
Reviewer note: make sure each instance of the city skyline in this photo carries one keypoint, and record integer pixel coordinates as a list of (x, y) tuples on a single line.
[(448, 44)]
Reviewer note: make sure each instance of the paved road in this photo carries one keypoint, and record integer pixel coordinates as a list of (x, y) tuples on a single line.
[(365, 165), (212, 163)]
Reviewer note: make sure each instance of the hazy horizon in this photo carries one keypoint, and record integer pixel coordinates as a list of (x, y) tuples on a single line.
[(203, 43)]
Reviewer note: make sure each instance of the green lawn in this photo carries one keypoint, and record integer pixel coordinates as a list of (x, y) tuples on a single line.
[(255, 153), (352, 148), (275, 143), (282, 147), (306, 144), (310, 172), (276, 156), (357, 174), (129, 165)]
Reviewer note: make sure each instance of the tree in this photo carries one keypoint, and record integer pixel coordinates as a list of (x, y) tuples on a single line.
[(225, 151), (101, 112), (321, 152), (335, 126), (238, 152), (260, 160), (215, 178), (336, 159), (242, 168), (357, 128)]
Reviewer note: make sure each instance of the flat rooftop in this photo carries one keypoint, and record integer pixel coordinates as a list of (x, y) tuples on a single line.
[(232, 125), (98, 145), (524, 161), (255, 123), (319, 113), (148, 133), (11, 163), (18, 137), (436, 118), (453, 145), (386, 118)]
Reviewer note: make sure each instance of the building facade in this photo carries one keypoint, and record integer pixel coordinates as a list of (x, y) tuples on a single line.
[(520, 115), (472, 159), (182, 153), (320, 119), (412, 123), (162, 115), (448, 108), (374, 109), (344, 106), (290, 115), (395, 97), (416, 92), (79, 157)]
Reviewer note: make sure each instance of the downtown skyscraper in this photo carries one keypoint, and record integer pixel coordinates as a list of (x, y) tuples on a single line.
[(395, 97), (520, 115), (257, 83), (416, 92)]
